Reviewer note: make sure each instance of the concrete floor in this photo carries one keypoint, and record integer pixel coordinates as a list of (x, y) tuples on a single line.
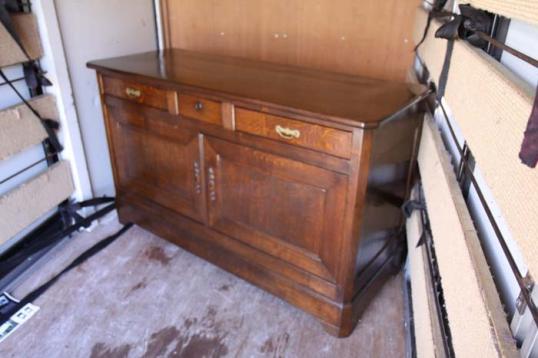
[(144, 297)]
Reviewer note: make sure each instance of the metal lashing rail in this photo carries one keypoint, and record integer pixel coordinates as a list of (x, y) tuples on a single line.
[(526, 283)]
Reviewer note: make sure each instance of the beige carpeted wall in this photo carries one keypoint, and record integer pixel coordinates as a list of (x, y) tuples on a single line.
[(526, 10), (10, 51), (491, 107), (25, 204), (477, 321), (20, 129)]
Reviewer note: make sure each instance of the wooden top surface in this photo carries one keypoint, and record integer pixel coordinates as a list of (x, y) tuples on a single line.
[(355, 100)]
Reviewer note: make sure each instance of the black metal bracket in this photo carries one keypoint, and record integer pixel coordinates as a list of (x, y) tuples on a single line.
[(521, 301), (411, 205), (476, 27), (48, 237)]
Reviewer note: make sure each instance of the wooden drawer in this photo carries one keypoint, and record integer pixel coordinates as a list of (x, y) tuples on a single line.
[(200, 108), (320, 138), (141, 93)]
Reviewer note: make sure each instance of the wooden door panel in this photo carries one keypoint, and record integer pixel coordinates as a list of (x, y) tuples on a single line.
[(257, 191), (158, 160), (278, 205)]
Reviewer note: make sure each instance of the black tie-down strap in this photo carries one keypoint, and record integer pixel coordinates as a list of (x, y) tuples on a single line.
[(34, 76), (473, 25), (70, 213), (411, 206), (466, 26), (72, 220), (436, 12), (10, 310), (529, 148), (49, 125)]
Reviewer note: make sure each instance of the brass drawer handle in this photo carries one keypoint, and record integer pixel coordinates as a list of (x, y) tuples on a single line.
[(288, 133), (133, 92)]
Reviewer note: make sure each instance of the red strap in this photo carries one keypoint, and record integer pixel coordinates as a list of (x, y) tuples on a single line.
[(529, 149)]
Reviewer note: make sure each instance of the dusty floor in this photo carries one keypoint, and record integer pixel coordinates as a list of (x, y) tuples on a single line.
[(144, 297)]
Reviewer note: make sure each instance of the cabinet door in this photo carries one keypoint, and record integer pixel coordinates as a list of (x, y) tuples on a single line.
[(286, 208), (158, 159)]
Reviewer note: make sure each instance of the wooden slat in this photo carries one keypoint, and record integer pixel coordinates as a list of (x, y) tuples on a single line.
[(424, 315), (25, 204), (370, 37), (20, 128), (492, 108), (526, 10), (10, 52), (478, 324)]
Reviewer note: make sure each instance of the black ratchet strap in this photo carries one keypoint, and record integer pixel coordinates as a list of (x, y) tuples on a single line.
[(465, 26), (10, 310), (73, 221), (436, 11), (33, 74), (49, 125)]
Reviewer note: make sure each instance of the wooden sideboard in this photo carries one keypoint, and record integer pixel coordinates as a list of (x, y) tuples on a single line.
[(288, 177)]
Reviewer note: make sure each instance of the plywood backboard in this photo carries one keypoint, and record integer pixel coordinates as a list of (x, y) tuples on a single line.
[(371, 38)]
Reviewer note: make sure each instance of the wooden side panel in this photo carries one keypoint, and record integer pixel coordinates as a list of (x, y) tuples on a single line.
[(477, 320), (20, 128), (394, 146), (370, 37), (25, 204)]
